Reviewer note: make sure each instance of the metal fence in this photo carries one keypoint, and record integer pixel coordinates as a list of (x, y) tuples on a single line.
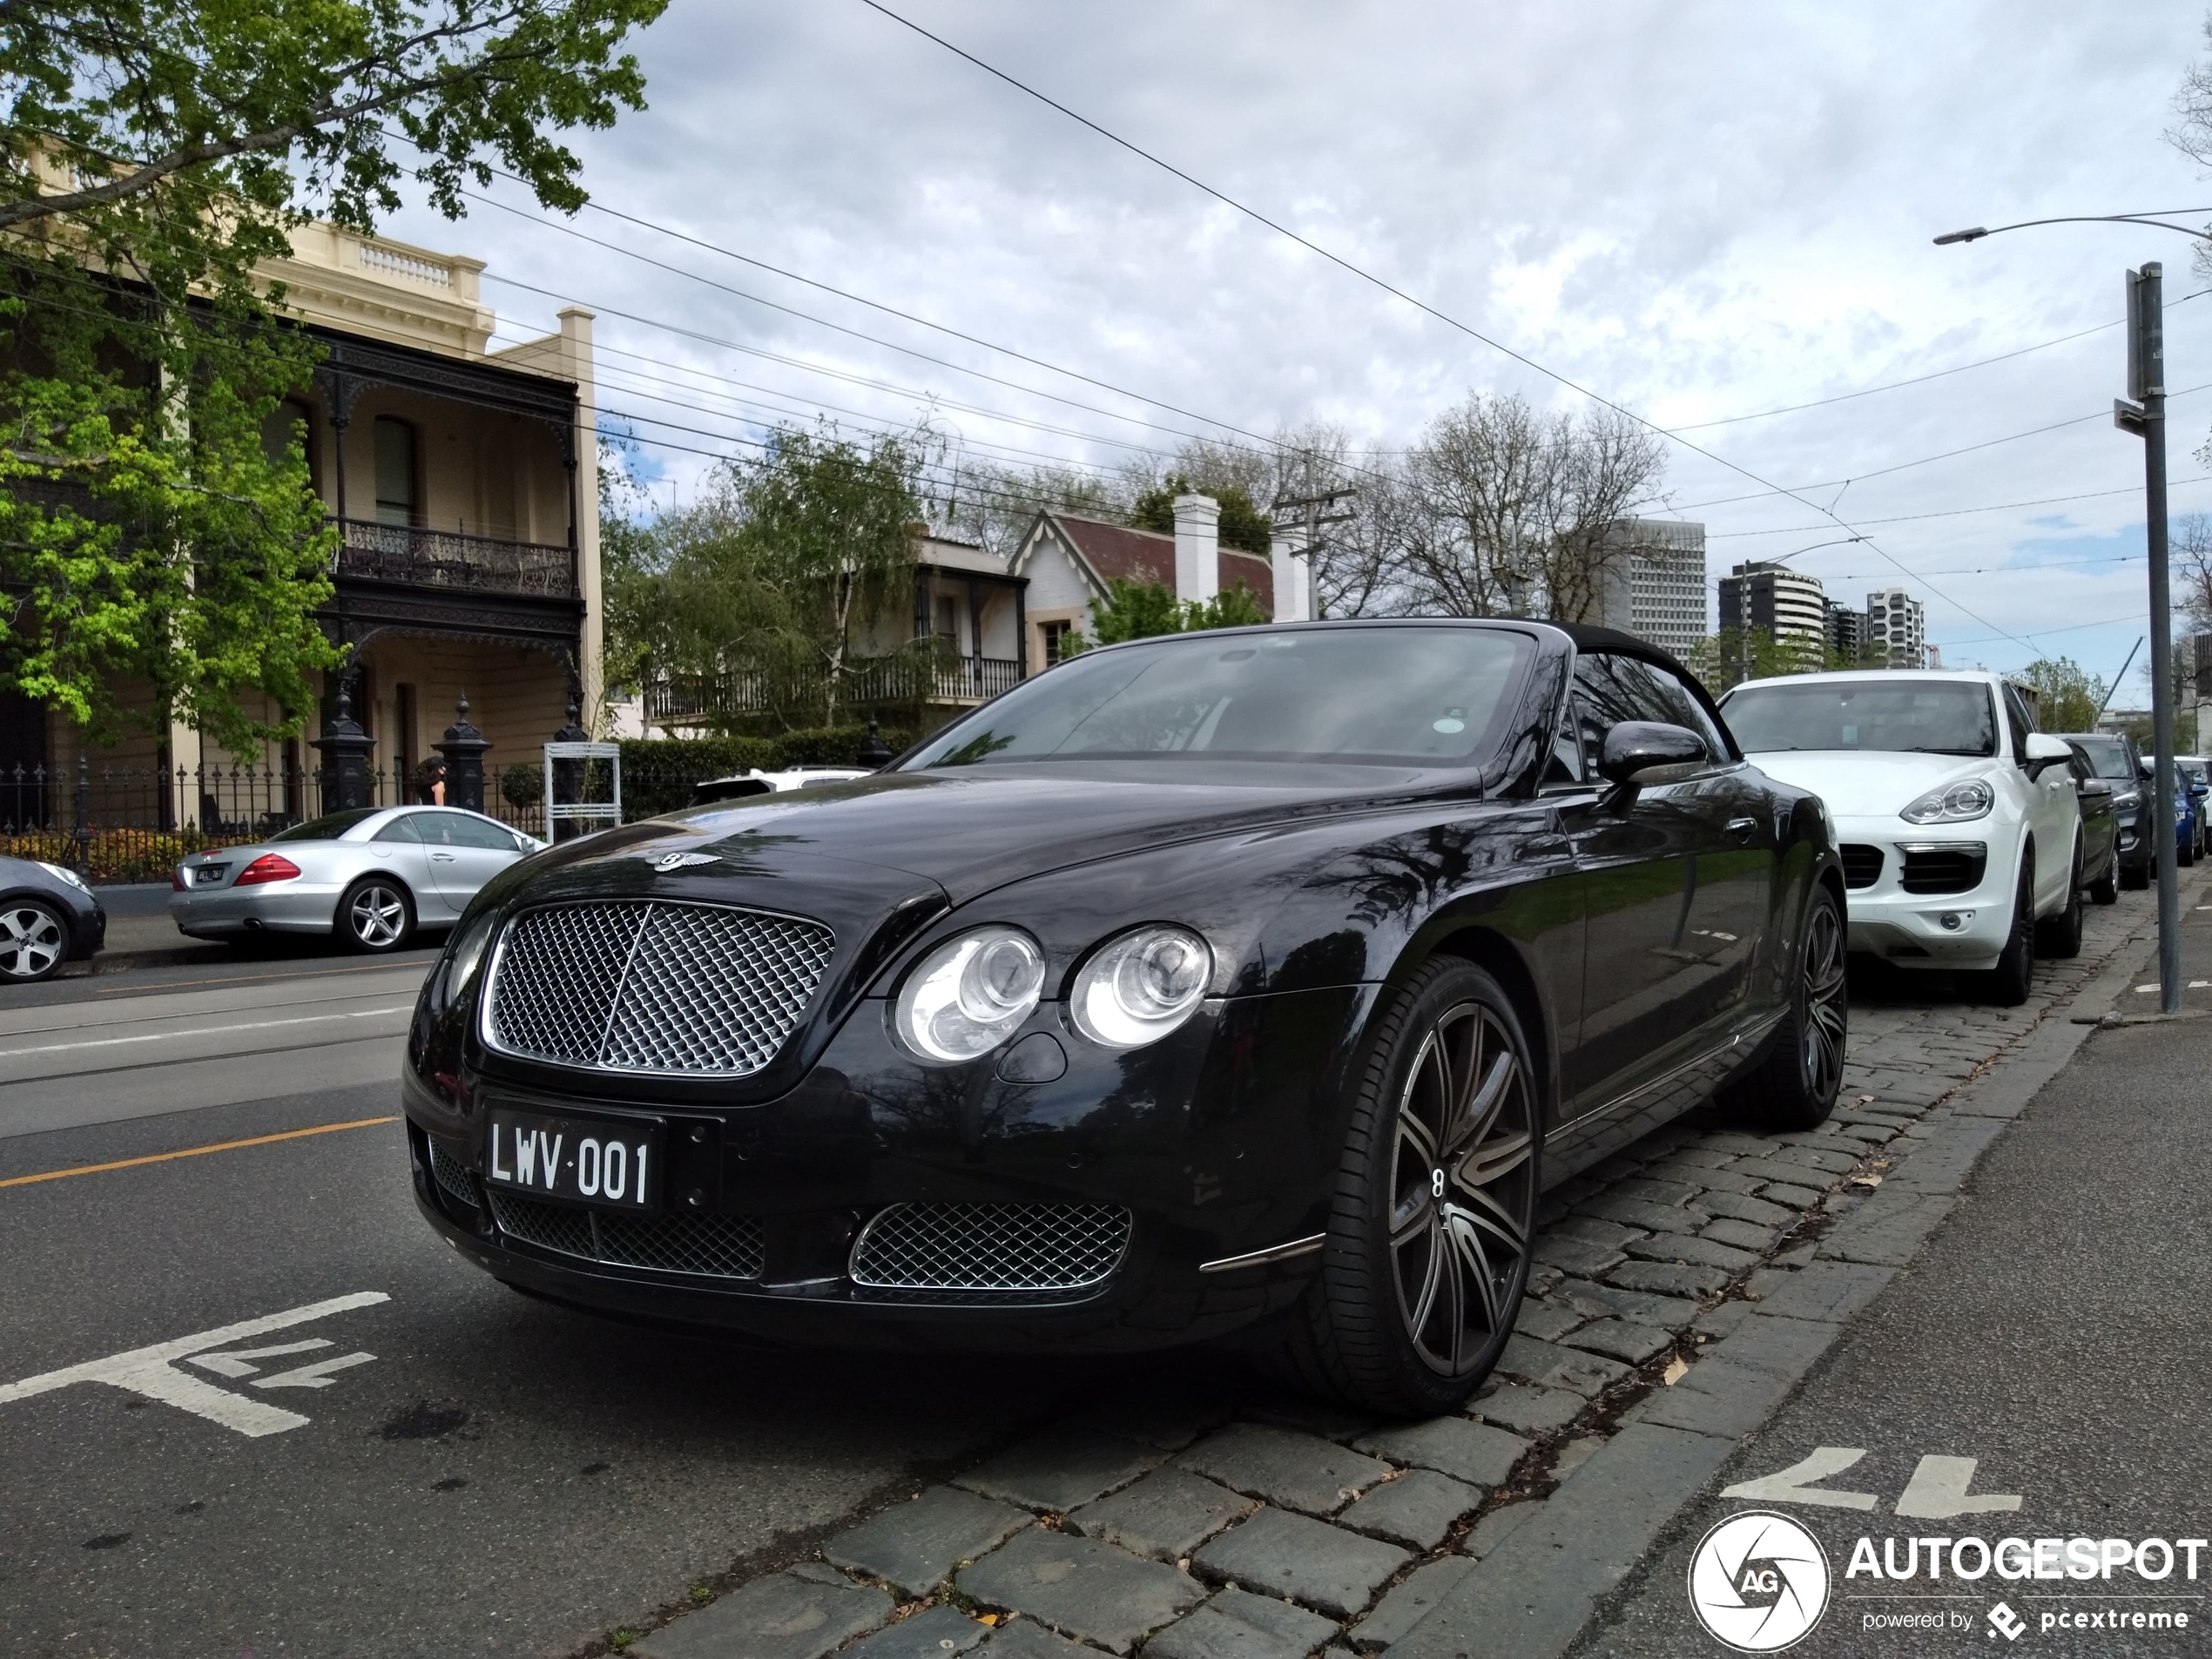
[(911, 678), (123, 824)]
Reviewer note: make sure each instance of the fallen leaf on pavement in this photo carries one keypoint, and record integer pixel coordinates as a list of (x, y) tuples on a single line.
[(1677, 1368)]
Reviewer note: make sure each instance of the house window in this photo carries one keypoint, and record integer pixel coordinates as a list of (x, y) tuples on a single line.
[(395, 471), (1055, 640), (289, 418), (948, 621)]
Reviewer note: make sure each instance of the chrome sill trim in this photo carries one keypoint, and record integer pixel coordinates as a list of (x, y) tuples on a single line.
[(1261, 1258)]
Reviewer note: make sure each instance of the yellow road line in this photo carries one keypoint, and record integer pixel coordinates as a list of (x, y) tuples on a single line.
[(195, 1151)]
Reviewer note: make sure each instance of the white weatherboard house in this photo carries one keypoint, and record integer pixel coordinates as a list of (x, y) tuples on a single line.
[(1069, 560)]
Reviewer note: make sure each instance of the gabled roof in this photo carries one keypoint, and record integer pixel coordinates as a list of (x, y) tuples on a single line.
[(1104, 552)]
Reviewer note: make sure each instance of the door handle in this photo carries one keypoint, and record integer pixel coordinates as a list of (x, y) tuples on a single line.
[(1743, 828), (443, 858)]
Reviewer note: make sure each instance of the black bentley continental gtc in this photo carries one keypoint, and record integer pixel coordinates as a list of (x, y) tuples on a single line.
[(1243, 985)]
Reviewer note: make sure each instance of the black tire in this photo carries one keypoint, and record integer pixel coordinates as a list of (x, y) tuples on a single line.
[(2187, 855), (1794, 1086), (2136, 878), (2105, 888), (2006, 985), (2060, 935), (377, 916), (1419, 1288), (34, 941)]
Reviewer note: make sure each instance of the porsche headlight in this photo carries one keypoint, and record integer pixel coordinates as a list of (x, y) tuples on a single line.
[(68, 875), (1953, 804), (1140, 987), (970, 994)]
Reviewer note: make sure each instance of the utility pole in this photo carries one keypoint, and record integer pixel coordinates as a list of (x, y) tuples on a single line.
[(2145, 416), (1315, 511)]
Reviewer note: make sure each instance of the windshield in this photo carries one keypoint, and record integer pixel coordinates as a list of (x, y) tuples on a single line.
[(2107, 755), (1424, 696), (327, 829), (1910, 717)]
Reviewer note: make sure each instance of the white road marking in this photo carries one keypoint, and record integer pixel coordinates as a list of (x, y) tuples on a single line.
[(1793, 1485), (206, 1031), (314, 1376), (150, 1371), (1938, 1491), (235, 1363)]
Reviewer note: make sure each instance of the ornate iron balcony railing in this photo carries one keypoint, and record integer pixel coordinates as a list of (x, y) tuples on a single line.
[(865, 680), (428, 558)]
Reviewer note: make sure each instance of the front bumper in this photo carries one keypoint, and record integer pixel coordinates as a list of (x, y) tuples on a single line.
[(1959, 917), (1220, 1140), (299, 907)]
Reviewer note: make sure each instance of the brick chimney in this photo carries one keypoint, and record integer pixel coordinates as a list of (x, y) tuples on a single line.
[(1198, 547)]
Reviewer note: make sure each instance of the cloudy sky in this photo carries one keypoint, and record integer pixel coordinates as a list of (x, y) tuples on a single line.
[(1703, 211)]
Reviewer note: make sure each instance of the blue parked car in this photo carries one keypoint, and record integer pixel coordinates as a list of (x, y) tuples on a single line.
[(2190, 791)]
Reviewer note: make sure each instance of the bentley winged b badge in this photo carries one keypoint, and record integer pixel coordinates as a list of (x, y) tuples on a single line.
[(684, 860)]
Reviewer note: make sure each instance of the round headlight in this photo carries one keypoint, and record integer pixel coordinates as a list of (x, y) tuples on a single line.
[(970, 994), (1955, 805), (1137, 989)]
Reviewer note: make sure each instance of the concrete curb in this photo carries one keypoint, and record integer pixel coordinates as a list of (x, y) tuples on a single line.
[(1531, 1597)]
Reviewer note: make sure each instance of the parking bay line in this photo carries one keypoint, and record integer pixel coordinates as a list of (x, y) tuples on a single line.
[(202, 1031), (194, 1151)]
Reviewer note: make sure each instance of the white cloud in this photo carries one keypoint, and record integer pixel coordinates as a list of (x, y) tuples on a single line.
[(1700, 210)]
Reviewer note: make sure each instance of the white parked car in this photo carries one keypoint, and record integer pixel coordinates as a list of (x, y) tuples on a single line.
[(1958, 822)]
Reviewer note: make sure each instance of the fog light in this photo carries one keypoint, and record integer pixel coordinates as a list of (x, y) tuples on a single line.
[(1952, 922)]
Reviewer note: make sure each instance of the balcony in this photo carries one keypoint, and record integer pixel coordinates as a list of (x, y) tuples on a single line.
[(677, 700), (426, 558)]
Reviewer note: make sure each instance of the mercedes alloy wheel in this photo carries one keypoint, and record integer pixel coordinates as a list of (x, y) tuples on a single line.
[(376, 915)]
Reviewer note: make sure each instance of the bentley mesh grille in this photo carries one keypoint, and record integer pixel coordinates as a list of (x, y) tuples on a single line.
[(1862, 865), (713, 1247), (648, 986), (450, 1174), (991, 1247)]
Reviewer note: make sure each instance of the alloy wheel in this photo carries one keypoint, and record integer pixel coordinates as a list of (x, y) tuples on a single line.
[(378, 916), (31, 941), (1462, 1188), (1826, 1006)]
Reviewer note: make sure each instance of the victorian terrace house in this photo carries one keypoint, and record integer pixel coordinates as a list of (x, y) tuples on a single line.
[(463, 480)]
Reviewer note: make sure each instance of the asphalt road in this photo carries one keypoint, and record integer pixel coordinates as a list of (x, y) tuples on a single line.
[(2054, 1333), (476, 1473)]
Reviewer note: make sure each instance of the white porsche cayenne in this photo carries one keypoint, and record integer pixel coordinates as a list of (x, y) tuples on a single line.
[(1958, 822)]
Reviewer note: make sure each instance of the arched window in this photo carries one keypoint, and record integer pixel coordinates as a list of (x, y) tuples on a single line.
[(395, 470)]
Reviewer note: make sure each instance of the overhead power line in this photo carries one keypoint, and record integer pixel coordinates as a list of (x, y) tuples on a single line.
[(1395, 292)]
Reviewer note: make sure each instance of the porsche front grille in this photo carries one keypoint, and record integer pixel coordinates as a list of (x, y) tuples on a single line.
[(650, 986), (990, 1249), (1862, 865), (711, 1246)]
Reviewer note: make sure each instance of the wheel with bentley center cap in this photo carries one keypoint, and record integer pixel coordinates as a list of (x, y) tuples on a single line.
[(1433, 1213)]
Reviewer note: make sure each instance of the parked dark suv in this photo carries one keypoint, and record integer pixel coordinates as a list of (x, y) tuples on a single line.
[(2114, 756)]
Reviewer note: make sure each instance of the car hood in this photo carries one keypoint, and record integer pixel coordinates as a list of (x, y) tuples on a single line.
[(969, 832), (1869, 783)]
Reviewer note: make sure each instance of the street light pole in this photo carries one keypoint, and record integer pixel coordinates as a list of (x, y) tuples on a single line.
[(2145, 417)]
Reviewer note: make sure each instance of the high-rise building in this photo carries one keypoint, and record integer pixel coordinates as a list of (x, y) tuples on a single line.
[(1897, 627), (1846, 633), (1773, 598), (1656, 592)]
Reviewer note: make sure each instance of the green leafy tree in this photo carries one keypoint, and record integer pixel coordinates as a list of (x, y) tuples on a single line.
[(1242, 525), (156, 522), (1735, 655), (1144, 610), (776, 575), (2067, 696)]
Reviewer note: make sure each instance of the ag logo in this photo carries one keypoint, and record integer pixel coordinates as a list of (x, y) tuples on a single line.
[(683, 860), (1758, 1581)]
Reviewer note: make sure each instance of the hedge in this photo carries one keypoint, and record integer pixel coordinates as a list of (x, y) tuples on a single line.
[(658, 773)]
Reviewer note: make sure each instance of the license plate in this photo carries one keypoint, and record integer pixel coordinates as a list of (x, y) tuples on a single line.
[(590, 1160), (208, 874)]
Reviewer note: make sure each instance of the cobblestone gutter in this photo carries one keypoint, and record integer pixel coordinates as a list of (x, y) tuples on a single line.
[(1681, 1289)]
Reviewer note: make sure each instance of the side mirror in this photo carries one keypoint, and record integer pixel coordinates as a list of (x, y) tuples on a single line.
[(2045, 751), (2145, 770), (1636, 746), (2094, 788)]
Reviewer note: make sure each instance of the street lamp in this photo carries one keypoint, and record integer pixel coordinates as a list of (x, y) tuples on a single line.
[(2145, 416)]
